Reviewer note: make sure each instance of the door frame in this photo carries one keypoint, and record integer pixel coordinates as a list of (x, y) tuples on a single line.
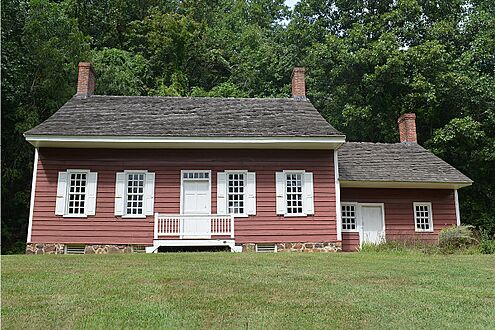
[(182, 179), (360, 216)]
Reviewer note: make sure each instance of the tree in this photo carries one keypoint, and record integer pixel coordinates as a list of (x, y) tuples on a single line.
[(120, 72), (371, 61), (42, 47), (367, 62)]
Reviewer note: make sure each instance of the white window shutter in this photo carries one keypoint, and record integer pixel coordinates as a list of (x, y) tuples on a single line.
[(149, 194), (61, 193), (119, 193), (251, 193), (91, 193), (280, 192), (308, 202), (221, 193)]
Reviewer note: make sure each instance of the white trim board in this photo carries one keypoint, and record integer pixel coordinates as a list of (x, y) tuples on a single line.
[(147, 142), (457, 210), (402, 184), (33, 190), (338, 208)]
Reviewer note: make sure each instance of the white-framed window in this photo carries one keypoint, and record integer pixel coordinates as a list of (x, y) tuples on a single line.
[(423, 219), (294, 193), (349, 217), (134, 193), (236, 193), (76, 193), (134, 196)]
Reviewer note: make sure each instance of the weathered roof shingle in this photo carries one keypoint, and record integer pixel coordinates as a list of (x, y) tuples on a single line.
[(185, 117), (247, 117), (394, 162)]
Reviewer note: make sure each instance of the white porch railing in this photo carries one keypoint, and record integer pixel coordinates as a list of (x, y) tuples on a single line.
[(193, 226)]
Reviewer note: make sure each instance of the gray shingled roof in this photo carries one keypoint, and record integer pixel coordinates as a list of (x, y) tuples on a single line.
[(185, 116), (404, 162)]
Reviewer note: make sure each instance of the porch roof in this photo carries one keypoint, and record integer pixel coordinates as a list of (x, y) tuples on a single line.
[(395, 162)]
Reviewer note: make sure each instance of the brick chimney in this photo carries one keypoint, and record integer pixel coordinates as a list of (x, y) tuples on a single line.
[(86, 79), (298, 84), (407, 127)]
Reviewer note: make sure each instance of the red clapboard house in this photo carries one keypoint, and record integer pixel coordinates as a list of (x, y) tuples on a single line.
[(133, 173)]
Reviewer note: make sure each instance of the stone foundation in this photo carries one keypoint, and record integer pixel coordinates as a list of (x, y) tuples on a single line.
[(45, 248), (104, 249), (59, 248), (299, 247), (249, 247)]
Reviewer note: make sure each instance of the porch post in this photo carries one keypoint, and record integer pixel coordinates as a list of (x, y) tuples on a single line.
[(155, 235)]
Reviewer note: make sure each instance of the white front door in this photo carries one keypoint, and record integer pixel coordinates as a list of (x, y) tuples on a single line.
[(196, 200), (372, 224)]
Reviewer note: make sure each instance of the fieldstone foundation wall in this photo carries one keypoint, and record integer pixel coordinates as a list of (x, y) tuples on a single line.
[(249, 247), (299, 247), (104, 249), (59, 248), (45, 248)]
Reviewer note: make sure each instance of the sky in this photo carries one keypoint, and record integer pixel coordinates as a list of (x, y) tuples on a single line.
[(291, 3)]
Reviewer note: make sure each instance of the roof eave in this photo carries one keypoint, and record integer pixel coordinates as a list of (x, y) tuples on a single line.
[(150, 142), (403, 184)]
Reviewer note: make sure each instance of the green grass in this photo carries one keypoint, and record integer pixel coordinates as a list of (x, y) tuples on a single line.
[(249, 291)]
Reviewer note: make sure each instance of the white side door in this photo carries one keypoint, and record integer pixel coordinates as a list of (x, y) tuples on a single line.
[(372, 220), (196, 201)]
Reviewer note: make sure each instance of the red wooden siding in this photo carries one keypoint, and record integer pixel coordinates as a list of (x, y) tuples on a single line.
[(399, 214), (104, 227), (350, 241)]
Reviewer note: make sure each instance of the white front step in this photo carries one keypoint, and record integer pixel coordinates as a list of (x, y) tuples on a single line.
[(151, 249), (236, 248), (192, 242)]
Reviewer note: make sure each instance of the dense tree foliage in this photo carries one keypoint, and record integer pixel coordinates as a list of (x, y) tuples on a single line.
[(367, 61)]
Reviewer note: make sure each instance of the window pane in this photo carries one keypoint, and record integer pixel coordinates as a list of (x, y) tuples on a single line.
[(348, 217), (76, 194), (235, 193), (422, 217), (294, 193), (135, 193)]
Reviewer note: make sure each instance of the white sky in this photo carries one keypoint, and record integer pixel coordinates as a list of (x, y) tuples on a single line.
[(291, 3)]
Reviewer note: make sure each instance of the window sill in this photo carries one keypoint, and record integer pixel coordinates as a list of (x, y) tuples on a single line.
[(292, 215), (424, 231), (240, 215), (132, 216), (350, 231), (82, 216)]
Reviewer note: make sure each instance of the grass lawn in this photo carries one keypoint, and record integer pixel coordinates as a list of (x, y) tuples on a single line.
[(248, 291)]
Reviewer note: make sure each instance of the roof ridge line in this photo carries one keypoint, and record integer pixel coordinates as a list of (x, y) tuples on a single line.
[(197, 97), (386, 143)]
